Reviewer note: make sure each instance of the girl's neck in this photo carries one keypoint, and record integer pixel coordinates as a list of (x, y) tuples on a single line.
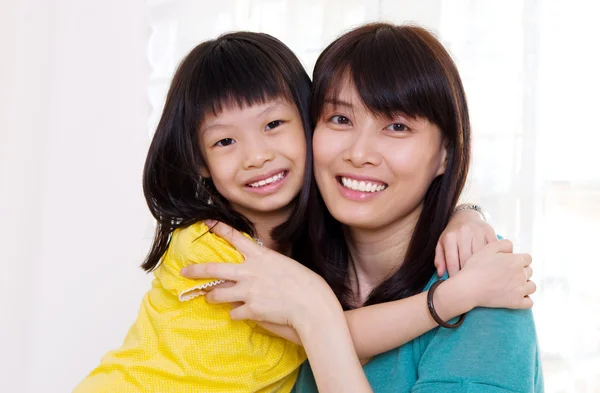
[(375, 254), (264, 224)]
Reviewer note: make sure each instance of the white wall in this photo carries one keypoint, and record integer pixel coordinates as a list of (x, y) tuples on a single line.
[(74, 225)]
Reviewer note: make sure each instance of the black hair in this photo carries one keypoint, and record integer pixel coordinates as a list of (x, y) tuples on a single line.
[(236, 69), (396, 69)]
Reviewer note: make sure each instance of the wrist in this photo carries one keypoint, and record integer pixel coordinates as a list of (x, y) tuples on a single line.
[(471, 208), (454, 297), (320, 309)]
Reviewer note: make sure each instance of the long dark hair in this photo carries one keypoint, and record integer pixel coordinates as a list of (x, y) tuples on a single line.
[(239, 69), (395, 69)]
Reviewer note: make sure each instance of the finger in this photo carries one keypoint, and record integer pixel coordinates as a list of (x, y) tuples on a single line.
[(526, 259), (529, 288), (221, 271), (528, 272), (440, 260), (224, 295), (527, 302), (490, 235), (465, 249), (242, 313), (477, 244), (503, 245), (451, 254), (234, 237)]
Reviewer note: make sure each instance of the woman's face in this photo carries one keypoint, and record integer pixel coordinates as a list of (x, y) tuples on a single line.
[(373, 171)]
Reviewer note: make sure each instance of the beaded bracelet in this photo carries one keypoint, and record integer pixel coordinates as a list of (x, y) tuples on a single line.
[(435, 315)]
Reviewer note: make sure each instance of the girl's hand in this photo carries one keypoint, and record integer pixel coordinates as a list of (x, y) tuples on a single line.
[(497, 278), (465, 234), (272, 287)]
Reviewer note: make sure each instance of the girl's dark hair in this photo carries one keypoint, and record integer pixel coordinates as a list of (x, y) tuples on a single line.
[(236, 69), (395, 69)]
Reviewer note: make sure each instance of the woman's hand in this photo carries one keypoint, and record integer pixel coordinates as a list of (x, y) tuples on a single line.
[(277, 289), (465, 234), (272, 287), (497, 278)]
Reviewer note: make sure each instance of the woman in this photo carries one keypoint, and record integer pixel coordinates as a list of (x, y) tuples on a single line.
[(390, 111)]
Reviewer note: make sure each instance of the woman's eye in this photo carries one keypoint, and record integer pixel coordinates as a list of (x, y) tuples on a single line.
[(339, 119), (274, 124), (225, 142), (397, 127)]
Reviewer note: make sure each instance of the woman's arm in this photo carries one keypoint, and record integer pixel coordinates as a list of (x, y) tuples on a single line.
[(294, 296), (328, 345)]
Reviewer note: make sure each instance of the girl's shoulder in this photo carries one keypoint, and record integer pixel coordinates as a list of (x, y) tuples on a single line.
[(196, 244), (192, 245)]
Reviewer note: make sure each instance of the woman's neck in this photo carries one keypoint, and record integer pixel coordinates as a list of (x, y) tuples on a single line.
[(376, 253)]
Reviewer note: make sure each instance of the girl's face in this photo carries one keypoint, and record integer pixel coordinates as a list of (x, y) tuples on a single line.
[(255, 155), (372, 171)]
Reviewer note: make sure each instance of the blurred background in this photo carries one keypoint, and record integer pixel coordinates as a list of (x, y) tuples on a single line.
[(82, 84)]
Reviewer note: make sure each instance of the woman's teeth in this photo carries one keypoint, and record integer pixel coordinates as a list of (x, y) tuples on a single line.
[(364, 186), (268, 181)]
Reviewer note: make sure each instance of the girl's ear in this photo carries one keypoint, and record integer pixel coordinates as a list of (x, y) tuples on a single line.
[(443, 159)]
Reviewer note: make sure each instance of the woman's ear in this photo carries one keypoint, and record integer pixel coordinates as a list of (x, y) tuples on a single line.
[(204, 172), (443, 159)]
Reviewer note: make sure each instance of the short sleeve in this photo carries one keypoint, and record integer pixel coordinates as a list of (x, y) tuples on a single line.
[(494, 351), (193, 245)]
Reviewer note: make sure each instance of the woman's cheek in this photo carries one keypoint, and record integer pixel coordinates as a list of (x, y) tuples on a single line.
[(325, 146)]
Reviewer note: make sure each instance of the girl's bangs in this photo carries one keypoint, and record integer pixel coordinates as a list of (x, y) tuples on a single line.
[(237, 74)]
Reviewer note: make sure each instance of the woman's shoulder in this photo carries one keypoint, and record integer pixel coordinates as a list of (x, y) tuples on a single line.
[(493, 346)]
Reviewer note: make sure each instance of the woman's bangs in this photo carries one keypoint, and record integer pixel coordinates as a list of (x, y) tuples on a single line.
[(392, 75)]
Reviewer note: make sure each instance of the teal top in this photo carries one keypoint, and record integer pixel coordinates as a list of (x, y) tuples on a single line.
[(493, 351)]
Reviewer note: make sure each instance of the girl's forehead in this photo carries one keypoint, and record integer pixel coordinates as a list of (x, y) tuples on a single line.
[(235, 113)]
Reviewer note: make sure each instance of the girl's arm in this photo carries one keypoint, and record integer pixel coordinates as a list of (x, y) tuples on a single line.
[(494, 277)]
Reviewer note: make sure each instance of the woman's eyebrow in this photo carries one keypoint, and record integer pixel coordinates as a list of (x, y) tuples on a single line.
[(337, 102)]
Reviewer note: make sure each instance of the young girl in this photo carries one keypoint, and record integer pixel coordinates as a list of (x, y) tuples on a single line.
[(233, 145)]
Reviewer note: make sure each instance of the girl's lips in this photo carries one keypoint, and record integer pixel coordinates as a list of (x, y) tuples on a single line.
[(268, 188), (267, 175)]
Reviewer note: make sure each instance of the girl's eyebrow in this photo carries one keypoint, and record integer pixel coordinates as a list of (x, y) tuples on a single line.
[(214, 126)]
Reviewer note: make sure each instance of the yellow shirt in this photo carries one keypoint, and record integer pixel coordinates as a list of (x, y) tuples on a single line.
[(180, 343)]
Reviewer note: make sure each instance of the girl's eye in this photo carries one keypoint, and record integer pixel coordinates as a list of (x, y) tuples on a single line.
[(225, 142), (339, 119), (274, 124), (397, 127)]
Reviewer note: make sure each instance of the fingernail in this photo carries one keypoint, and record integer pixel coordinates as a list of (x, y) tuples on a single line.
[(183, 271), (210, 223)]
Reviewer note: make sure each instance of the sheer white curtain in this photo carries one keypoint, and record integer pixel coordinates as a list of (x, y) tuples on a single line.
[(530, 69)]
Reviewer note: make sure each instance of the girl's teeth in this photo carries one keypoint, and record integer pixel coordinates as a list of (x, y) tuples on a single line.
[(267, 181), (362, 185)]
